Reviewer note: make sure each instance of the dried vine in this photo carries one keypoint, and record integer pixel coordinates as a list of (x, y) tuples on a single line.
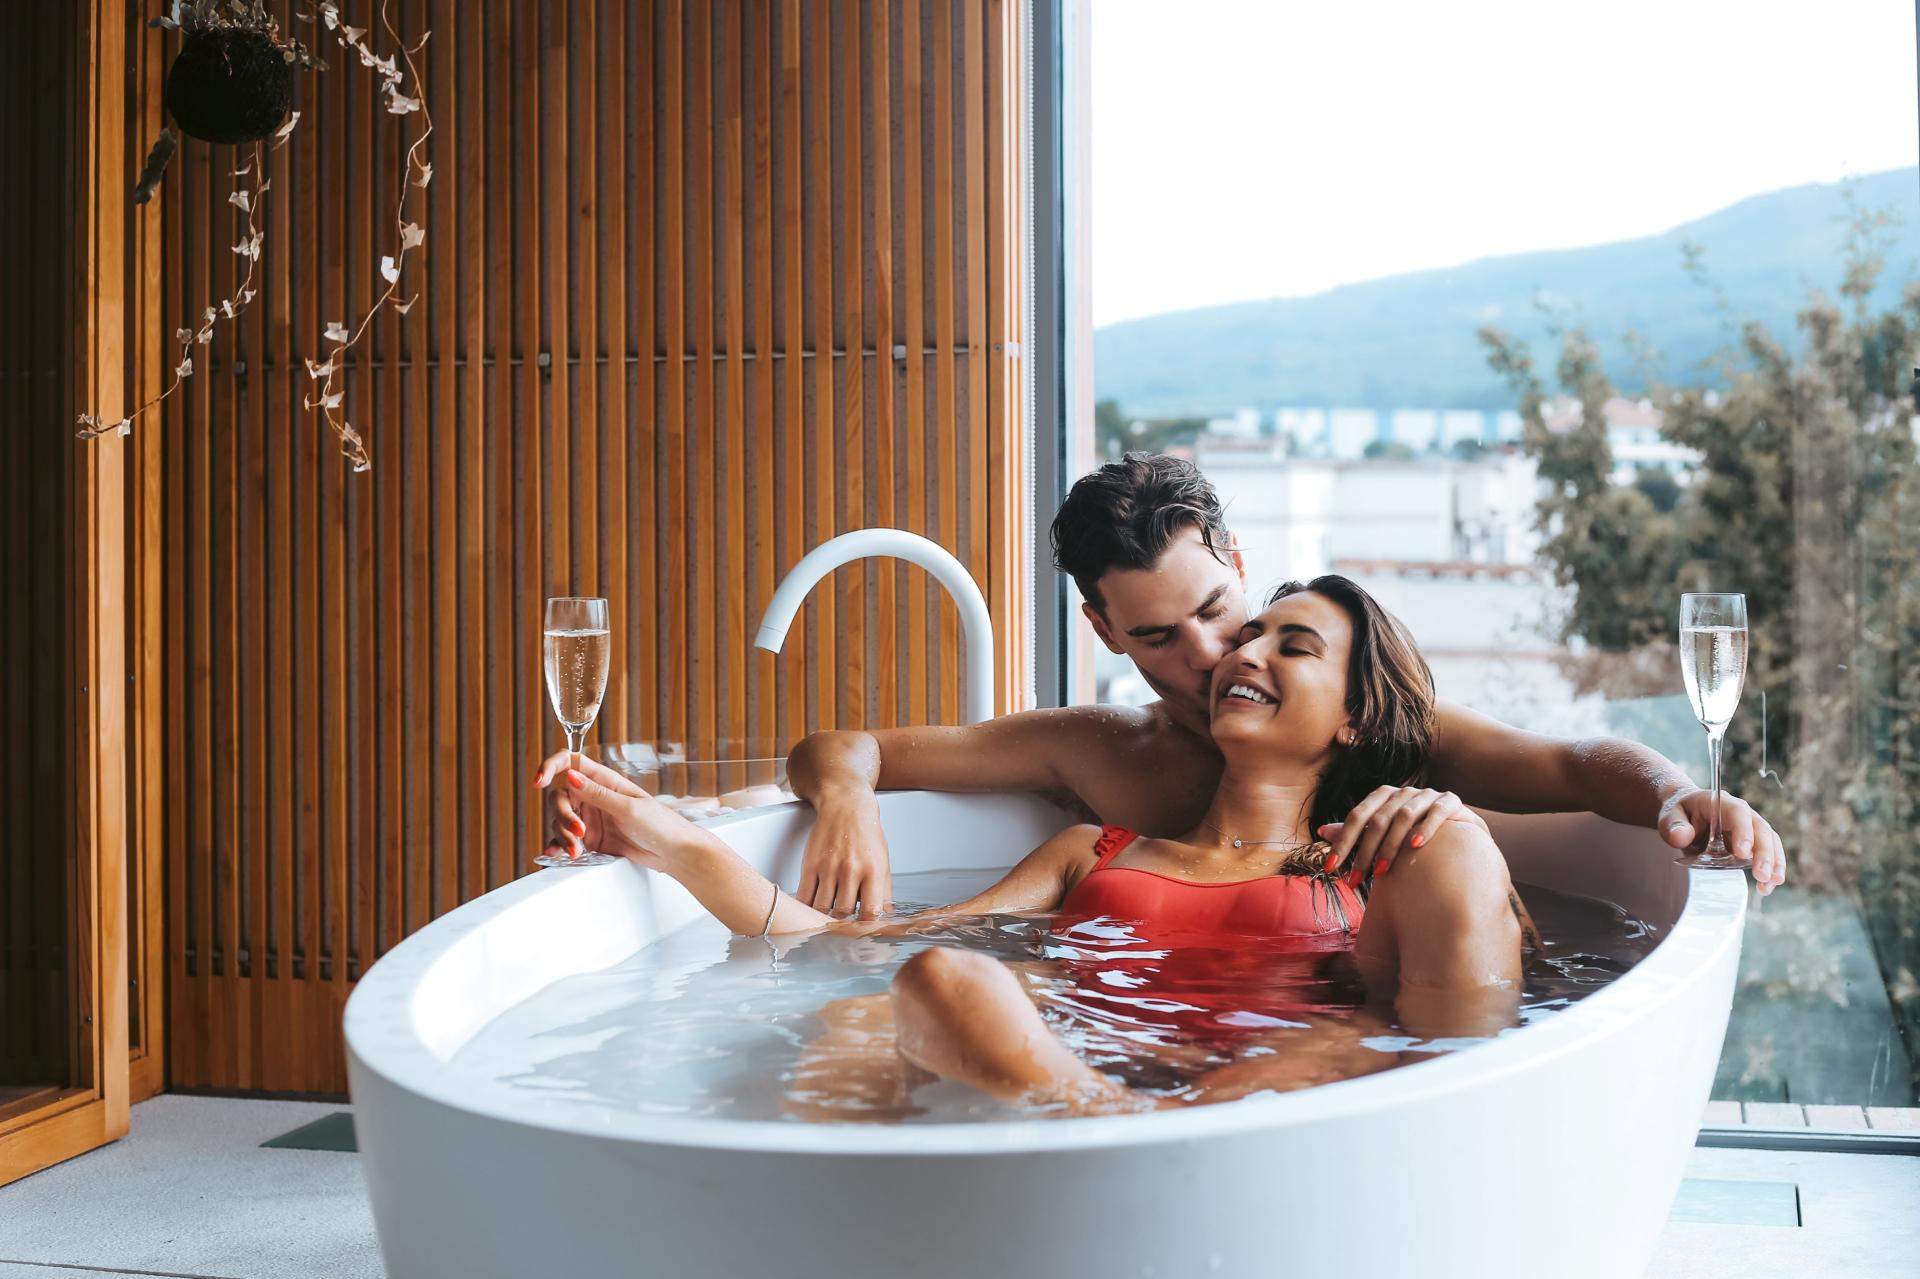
[(418, 173), (327, 397)]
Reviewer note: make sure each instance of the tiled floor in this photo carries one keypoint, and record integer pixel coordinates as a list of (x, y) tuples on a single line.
[(191, 1194)]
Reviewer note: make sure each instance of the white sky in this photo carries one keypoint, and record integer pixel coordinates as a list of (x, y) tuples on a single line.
[(1270, 148)]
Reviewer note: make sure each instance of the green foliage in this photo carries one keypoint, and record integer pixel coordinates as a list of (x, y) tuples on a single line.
[(1807, 499), (1114, 434), (1387, 451)]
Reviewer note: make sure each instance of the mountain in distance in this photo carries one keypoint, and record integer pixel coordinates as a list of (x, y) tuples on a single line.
[(1410, 341)]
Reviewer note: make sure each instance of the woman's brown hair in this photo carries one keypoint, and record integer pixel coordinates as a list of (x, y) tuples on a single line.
[(1390, 701)]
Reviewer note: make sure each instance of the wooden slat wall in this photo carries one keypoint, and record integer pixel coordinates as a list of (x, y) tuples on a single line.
[(705, 284)]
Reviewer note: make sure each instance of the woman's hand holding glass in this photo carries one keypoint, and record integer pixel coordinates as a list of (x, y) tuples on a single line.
[(591, 806)]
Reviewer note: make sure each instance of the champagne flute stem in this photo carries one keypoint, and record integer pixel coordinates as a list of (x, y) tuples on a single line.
[(574, 740), (1716, 843)]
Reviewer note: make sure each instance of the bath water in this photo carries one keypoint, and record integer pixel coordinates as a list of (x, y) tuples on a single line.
[(702, 1022)]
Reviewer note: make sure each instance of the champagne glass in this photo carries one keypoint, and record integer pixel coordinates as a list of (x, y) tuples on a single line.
[(577, 645), (1713, 660)]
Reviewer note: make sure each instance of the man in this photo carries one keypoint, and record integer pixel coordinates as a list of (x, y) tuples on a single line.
[(1145, 541)]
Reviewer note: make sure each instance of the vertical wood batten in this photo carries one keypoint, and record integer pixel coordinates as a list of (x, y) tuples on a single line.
[(773, 197)]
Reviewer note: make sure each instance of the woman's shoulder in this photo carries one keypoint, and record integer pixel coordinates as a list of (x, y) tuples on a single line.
[(1081, 841)]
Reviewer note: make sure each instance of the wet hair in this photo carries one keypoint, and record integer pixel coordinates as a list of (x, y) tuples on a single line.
[(1390, 701), (1127, 513)]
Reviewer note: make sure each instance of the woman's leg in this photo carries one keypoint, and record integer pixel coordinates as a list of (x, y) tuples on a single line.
[(965, 1016), (852, 1072)]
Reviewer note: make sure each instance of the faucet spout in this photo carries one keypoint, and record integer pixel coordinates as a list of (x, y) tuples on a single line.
[(975, 623)]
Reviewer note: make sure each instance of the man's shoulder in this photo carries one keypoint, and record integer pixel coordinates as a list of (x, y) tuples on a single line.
[(1102, 720)]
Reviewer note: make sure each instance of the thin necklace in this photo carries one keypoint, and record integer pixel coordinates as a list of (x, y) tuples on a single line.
[(1237, 843)]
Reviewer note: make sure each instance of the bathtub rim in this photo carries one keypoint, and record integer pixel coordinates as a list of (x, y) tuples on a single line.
[(1691, 953)]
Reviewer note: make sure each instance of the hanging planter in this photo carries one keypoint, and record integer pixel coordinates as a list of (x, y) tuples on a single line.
[(231, 82), (229, 85)]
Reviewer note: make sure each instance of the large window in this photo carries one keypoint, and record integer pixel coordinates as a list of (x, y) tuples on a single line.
[(1531, 317)]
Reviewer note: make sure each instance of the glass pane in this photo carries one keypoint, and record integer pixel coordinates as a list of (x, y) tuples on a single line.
[(1528, 364)]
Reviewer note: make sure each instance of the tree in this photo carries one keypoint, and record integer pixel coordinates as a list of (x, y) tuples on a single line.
[(1807, 499), (1114, 434)]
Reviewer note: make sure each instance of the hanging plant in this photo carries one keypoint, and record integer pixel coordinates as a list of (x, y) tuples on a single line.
[(232, 82)]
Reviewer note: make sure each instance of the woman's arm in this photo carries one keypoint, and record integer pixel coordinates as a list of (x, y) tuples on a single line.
[(1038, 882), (611, 814)]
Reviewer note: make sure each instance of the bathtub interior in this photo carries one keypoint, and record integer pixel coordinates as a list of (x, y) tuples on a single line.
[(595, 917)]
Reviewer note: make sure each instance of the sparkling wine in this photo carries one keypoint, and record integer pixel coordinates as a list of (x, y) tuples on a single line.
[(1713, 661), (577, 674)]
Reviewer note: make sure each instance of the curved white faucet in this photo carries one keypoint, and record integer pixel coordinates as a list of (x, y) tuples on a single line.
[(900, 544)]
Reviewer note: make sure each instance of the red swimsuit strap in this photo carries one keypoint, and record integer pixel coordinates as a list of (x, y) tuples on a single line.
[(1112, 840)]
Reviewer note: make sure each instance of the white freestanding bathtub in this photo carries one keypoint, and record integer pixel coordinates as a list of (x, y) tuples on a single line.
[(1555, 1150)]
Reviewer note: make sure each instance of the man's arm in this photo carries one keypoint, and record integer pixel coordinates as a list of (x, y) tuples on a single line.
[(1496, 766), (839, 771)]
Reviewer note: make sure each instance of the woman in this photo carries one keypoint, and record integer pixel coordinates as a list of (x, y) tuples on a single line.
[(1325, 699)]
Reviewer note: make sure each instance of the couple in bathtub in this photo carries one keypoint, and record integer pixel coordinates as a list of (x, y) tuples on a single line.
[(1277, 788)]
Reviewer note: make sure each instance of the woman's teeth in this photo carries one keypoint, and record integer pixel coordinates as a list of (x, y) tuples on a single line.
[(1250, 694)]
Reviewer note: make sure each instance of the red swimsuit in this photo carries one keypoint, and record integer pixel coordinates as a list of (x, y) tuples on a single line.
[(1271, 906), (1153, 956)]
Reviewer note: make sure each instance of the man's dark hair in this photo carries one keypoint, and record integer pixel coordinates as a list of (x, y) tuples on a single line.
[(1126, 515)]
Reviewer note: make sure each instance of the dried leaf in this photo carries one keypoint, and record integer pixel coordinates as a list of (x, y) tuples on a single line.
[(226, 308), (335, 332), (424, 176), (88, 422), (247, 295), (243, 170), (403, 307), (206, 316), (126, 426), (330, 14), (318, 371), (204, 336), (280, 134), (183, 336), (265, 184), (351, 35), (411, 236), (333, 401), (250, 247), (241, 200), (400, 104), (389, 270), (185, 368), (149, 180)]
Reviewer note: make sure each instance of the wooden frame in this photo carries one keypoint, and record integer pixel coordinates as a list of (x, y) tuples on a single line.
[(94, 1109)]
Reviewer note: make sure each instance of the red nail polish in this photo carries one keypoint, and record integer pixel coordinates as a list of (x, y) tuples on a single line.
[(1333, 860), (579, 829), (1380, 868), (1416, 841), (575, 780), (539, 780)]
